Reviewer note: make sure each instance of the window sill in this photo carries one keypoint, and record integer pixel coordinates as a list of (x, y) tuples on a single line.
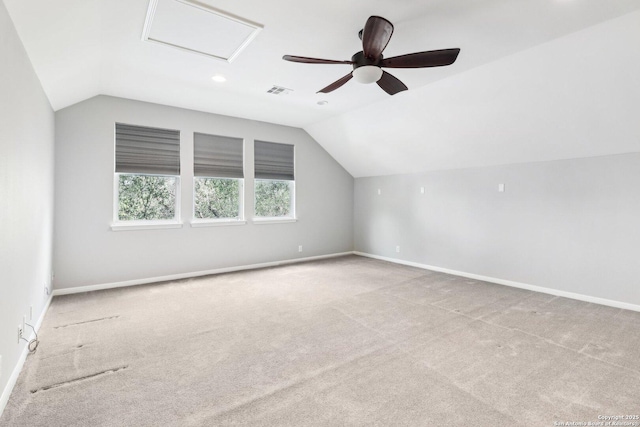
[(150, 225), (217, 223), (273, 220)]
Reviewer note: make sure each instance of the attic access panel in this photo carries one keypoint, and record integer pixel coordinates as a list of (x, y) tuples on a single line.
[(198, 28)]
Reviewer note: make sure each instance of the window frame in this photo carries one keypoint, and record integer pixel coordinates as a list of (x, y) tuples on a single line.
[(121, 225), (276, 219), (216, 222), (144, 224), (293, 215)]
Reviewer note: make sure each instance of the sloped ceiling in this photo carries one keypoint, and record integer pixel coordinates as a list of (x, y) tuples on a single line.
[(578, 96), (536, 79)]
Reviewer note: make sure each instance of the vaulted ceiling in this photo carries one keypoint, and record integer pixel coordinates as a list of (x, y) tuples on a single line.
[(536, 79)]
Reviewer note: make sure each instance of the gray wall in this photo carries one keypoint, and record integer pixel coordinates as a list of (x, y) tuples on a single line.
[(26, 194), (571, 225), (87, 252)]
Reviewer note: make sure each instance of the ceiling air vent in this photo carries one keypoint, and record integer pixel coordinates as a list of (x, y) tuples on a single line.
[(279, 90), (198, 28)]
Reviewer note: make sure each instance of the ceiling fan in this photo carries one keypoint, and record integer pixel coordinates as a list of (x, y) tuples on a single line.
[(368, 64)]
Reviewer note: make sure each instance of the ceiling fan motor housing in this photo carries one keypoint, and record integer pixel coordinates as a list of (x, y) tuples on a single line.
[(359, 60)]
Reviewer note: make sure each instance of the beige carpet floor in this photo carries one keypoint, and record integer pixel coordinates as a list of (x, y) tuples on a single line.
[(342, 342)]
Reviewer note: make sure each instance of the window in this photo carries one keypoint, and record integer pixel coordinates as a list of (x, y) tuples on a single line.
[(274, 180), (147, 173), (218, 177)]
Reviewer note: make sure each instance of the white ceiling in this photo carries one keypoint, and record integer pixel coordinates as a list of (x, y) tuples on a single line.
[(536, 79)]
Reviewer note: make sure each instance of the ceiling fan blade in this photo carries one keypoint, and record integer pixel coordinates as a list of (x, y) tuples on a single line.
[(432, 58), (335, 85), (375, 36), (306, 60), (391, 84)]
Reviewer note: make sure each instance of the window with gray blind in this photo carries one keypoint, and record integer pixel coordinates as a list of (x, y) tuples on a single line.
[(218, 177), (274, 186), (147, 171), (146, 150), (217, 156), (274, 161)]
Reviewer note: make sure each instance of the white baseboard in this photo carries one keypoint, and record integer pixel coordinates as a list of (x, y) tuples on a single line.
[(66, 291), (6, 393), (550, 291)]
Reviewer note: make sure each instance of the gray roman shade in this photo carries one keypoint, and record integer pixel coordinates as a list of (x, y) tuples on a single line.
[(274, 161), (147, 150), (217, 156)]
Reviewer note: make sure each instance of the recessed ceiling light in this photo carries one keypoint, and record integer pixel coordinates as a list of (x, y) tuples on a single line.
[(218, 78), (323, 102)]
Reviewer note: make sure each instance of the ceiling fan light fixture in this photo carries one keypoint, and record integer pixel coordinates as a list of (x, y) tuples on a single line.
[(367, 74)]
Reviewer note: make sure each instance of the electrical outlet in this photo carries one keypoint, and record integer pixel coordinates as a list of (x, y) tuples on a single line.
[(421, 190), (46, 289), (300, 248), (20, 332), (24, 321), (397, 249)]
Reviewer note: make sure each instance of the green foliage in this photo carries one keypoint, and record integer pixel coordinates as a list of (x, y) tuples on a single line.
[(145, 197), (273, 198), (217, 198)]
